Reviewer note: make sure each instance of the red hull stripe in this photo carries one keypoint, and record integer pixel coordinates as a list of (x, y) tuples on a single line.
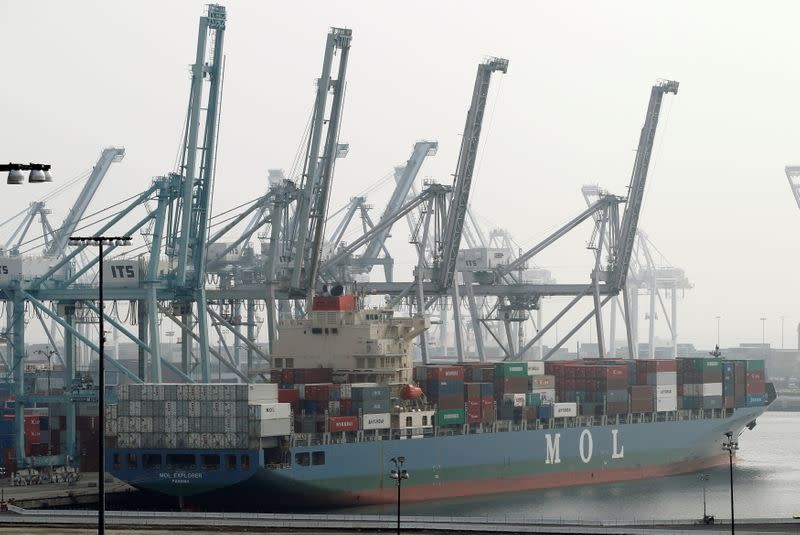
[(459, 489)]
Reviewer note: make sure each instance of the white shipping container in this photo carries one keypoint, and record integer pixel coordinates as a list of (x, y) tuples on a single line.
[(666, 391), (273, 428), (519, 400), (346, 391), (711, 389), (271, 411), (536, 367), (562, 410), (548, 395), (376, 421), (666, 378), (666, 403), (262, 393)]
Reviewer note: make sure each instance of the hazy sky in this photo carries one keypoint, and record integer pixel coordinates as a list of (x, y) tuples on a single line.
[(82, 75)]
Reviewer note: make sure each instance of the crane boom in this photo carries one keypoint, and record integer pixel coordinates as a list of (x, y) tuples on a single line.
[(187, 239), (630, 218), (451, 238), (404, 178), (312, 206), (62, 234)]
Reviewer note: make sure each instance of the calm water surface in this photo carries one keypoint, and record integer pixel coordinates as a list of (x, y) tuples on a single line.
[(766, 485)]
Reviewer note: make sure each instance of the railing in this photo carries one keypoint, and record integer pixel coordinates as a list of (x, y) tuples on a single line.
[(505, 426), (487, 523)]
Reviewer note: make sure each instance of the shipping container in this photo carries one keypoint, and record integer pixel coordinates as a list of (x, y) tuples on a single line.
[(563, 410), (342, 423), (369, 393), (445, 373), (450, 417), (376, 421), (511, 369), (535, 367)]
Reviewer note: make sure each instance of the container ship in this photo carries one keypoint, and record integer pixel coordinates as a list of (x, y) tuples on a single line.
[(345, 398)]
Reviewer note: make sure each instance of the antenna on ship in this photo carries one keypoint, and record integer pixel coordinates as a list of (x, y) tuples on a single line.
[(716, 353)]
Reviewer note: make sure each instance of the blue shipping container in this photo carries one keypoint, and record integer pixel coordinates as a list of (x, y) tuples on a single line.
[(545, 411), (367, 393), (755, 400), (487, 389)]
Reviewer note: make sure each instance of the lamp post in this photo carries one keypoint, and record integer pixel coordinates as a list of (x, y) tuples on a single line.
[(398, 474), (718, 319), (763, 331), (101, 241), (706, 518), (39, 172), (731, 445)]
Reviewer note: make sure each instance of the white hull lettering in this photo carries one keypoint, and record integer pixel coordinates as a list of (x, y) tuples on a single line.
[(617, 449), (586, 446), (553, 453)]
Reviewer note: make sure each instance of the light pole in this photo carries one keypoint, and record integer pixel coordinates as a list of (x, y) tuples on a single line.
[(101, 241), (398, 474), (39, 172), (731, 446), (763, 330), (717, 318), (706, 519), (782, 331)]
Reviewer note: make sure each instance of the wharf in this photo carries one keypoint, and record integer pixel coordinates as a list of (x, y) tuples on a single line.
[(18, 521), (47, 495)]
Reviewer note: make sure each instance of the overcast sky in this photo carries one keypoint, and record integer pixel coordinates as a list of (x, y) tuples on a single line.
[(82, 75)]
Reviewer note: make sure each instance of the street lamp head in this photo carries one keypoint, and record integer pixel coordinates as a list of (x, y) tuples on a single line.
[(48, 176), (16, 177), (36, 176)]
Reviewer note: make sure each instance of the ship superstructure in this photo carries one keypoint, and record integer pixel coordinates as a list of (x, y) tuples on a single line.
[(360, 344)]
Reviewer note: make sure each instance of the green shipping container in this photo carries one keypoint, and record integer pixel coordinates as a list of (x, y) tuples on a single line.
[(755, 365), (450, 417), (533, 399), (511, 369), (709, 364)]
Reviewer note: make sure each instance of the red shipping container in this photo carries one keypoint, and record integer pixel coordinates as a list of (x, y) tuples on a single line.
[(33, 437), (342, 423), (755, 376), (287, 376), (510, 385), (9, 460), (334, 302), (665, 365), (488, 411), (446, 373), (755, 387), (473, 410), (288, 395), (531, 413), (450, 402), (317, 392), (346, 407), (641, 392)]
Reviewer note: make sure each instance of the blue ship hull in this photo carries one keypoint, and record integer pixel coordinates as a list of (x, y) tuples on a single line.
[(354, 473)]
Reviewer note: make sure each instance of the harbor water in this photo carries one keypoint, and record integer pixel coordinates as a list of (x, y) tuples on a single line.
[(766, 485)]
